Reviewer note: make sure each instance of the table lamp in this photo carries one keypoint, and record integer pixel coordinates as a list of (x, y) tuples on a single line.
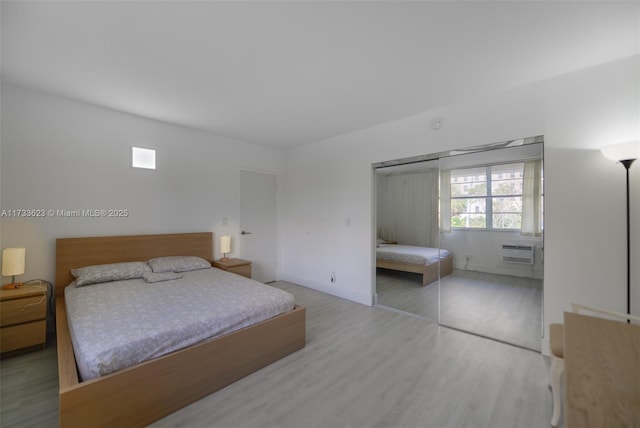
[(225, 247), (12, 265)]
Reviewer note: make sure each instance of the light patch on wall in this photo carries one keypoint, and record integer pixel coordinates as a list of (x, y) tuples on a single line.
[(143, 158)]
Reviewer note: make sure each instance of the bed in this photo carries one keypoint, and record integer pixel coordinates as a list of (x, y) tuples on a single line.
[(149, 390), (431, 263)]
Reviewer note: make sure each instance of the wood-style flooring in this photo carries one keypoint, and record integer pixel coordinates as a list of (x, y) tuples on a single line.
[(29, 389), (505, 308), (361, 367)]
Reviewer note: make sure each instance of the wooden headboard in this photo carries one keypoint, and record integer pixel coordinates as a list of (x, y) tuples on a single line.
[(77, 252)]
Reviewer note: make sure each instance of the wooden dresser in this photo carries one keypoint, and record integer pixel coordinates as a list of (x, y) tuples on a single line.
[(23, 318), (238, 266)]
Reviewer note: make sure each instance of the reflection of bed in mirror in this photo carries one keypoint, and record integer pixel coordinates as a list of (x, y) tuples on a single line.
[(432, 263)]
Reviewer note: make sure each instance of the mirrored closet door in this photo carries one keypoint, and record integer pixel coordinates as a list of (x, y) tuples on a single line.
[(407, 232), (467, 251)]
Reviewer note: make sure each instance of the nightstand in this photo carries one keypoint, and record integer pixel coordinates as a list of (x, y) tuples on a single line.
[(23, 318), (238, 266)]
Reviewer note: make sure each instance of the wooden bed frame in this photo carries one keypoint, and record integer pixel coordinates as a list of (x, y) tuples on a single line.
[(430, 272), (146, 392)]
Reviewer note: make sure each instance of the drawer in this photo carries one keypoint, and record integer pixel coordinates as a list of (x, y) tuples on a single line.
[(23, 336), (244, 270), (17, 311)]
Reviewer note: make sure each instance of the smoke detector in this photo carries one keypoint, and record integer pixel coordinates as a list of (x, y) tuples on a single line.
[(437, 123)]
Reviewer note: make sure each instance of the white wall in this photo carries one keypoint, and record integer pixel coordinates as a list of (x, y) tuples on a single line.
[(404, 214), (329, 182), (484, 251), (61, 154)]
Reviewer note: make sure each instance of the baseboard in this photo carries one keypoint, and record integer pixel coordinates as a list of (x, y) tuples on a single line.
[(517, 271)]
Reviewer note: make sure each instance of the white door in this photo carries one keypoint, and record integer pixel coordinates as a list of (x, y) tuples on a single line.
[(258, 223)]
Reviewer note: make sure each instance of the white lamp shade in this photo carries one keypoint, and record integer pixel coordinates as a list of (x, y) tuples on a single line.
[(225, 244), (13, 261), (622, 151)]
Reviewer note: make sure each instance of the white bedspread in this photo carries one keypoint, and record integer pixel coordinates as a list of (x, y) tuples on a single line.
[(410, 254), (118, 324)]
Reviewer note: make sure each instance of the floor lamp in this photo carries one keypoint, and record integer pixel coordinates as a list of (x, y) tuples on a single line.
[(625, 153)]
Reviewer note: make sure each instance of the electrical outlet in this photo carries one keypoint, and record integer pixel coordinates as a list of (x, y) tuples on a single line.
[(333, 277)]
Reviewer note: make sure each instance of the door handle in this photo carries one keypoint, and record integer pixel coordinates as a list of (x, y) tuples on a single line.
[(245, 233)]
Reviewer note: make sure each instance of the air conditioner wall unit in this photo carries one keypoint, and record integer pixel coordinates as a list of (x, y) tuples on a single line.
[(518, 253)]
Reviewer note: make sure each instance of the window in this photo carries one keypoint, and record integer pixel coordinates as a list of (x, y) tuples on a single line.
[(143, 158), (491, 197)]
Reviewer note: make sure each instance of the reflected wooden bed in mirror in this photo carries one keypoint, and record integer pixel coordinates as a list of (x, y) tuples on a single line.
[(431, 271)]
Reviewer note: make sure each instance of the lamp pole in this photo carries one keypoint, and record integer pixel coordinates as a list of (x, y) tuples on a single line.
[(625, 153), (627, 164)]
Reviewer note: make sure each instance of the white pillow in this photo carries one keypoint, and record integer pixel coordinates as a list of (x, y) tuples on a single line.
[(178, 264), (109, 272)]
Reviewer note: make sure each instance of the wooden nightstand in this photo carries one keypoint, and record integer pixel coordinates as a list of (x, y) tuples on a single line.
[(238, 266), (23, 318)]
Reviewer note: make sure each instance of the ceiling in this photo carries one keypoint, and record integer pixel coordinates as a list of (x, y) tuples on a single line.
[(282, 74)]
